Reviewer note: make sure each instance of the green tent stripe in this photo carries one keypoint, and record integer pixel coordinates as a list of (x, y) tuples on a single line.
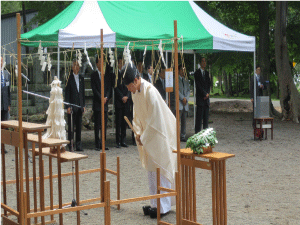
[(156, 25), (49, 30)]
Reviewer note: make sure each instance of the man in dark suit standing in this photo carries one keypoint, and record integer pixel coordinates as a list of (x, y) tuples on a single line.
[(5, 93), (75, 94), (202, 81), (121, 106), (96, 87), (160, 84), (259, 82), (148, 76)]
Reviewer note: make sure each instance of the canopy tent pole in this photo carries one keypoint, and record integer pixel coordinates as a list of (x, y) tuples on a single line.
[(254, 79), (194, 90), (58, 61)]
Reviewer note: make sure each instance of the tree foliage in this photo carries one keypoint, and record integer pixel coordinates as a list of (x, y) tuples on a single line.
[(10, 7), (46, 10)]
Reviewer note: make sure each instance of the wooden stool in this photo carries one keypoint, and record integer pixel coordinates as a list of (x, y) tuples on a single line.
[(258, 123)]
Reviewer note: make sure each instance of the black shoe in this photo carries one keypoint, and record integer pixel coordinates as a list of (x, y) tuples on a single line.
[(182, 139), (79, 150), (97, 149), (134, 144), (118, 145), (106, 148), (124, 145), (153, 213), (146, 209)]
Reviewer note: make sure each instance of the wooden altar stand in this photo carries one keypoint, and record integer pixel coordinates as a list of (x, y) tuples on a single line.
[(216, 163), (12, 138)]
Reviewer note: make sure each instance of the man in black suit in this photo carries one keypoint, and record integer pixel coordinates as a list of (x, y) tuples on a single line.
[(160, 84), (148, 77), (202, 81), (122, 107), (96, 87), (75, 94), (5, 93), (259, 81)]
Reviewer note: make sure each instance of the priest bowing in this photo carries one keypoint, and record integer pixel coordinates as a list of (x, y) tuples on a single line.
[(155, 126)]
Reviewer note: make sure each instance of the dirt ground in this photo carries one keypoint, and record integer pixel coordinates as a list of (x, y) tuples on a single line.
[(262, 179)]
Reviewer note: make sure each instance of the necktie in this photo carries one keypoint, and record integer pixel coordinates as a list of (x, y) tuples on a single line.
[(2, 79), (203, 75)]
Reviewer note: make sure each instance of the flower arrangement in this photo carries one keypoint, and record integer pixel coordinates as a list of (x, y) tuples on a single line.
[(200, 142)]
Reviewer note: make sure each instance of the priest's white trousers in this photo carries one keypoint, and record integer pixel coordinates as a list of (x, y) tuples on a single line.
[(165, 203)]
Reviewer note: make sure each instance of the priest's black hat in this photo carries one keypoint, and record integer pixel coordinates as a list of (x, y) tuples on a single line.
[(131, 73)]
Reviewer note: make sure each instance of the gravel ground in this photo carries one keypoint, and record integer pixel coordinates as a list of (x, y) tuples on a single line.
[(262, 179)]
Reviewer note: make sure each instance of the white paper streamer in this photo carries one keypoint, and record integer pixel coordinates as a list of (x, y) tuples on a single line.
[(87, 56), (161, 53)]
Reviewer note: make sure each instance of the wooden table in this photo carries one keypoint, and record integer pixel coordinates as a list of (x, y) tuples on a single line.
[(61, 157), (217, 166), (258, 123), (27, 128)]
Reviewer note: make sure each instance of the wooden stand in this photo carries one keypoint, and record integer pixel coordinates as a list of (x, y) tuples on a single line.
[(15, 141), (258, 123), (218, 176)]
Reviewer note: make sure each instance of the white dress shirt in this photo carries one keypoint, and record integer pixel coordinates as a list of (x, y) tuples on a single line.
[(76, 77)]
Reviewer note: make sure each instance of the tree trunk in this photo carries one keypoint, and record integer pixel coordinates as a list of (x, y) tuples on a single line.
[(226, 83), (289, 95), (237, 84), (221, 82), (230, 84)]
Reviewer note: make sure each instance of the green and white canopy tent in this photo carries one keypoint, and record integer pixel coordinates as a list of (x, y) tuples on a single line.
[(123, 21), (148, 22)]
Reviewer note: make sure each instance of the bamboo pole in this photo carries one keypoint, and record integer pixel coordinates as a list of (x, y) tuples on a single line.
[(21, 203), (178, 210), (102, 96)]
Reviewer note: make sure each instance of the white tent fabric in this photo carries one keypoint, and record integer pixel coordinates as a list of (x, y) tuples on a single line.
[(85, 29), (224, 38)]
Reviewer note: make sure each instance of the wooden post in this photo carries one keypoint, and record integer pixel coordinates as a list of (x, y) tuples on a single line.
[(27, 175), (20, 117), (107, 218), (158, 192), (41, 173), (118, 181), (59, 185), (34, 181), (3, 177), (102, 97), (17, 179), (51, 186), (102, 174), (178, 210), (77, 189)]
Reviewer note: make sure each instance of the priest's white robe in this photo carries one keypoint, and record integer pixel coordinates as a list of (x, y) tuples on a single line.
[(156, 125)]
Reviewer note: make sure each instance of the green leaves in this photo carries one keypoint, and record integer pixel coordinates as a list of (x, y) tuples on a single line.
[(204, 138)]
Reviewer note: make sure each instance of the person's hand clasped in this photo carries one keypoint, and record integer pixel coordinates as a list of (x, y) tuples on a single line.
[(138, 139), (124, 99), (69, 110)]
